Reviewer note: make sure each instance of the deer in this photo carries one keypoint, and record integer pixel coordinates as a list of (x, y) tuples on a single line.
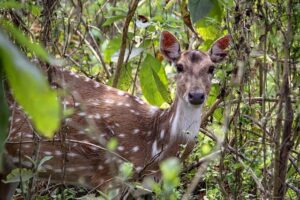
[(146, 134)]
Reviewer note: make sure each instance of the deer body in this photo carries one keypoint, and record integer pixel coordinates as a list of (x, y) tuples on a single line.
[(146, 134)]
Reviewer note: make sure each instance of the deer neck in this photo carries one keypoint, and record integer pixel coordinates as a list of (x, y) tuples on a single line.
[(180, 122)]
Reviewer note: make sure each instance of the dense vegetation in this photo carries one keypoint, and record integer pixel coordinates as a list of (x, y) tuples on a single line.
[(253, 108)]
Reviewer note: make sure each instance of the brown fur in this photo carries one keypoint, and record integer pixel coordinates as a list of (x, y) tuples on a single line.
[(145, 134)]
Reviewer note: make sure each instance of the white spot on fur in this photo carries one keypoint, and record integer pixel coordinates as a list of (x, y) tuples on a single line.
[(71, 154), (131, 110), (77, 104), (121, 148), (86, 79), (26, 146), (95, 103), (57, 170), (136, 131), (153, 109), (96, 84), (100, 167), (106, 115), (109, 101), (71, 169), (81, 114), (58, 153), (127, 104), (162, 134), (17, 120), (12, 130), (121, 135), (47, 153), (135, 149), (120, 104), (154, 149), (139, 168), (120, 93), (97, 116), (149, 133)]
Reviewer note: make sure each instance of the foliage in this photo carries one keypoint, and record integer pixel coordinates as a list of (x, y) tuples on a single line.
[(246, 91)]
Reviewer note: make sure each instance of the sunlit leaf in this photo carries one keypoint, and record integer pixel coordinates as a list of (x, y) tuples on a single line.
[(24, 41), (30, 89), (111, 47)]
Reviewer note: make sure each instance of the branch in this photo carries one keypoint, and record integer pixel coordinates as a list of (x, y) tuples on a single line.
[(132, 7)]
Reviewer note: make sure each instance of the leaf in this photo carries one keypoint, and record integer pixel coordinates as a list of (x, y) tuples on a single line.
[(126, 170), (10, 5), (163, 90), (209, 27), (30, 89), (25, 42), (111, 20), (4, 114), (112, 144), (111, 48), (199, 9), (125, 77), (18, 174), (134, 52), (42, 161), (154, 87)]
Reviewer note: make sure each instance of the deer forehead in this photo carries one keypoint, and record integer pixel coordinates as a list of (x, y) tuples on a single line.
[(195, 61)]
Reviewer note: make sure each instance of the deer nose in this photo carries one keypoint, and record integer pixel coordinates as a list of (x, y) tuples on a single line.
[(196, 98)]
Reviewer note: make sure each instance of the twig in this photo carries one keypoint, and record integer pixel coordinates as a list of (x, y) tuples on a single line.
[(132, 7)]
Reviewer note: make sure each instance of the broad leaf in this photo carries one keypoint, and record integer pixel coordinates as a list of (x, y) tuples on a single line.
[(30, 89), (199, 9), (154, 87), (111, 47), (18, 174)]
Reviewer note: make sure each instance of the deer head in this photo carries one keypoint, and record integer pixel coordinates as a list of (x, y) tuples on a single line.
[(194, 68)]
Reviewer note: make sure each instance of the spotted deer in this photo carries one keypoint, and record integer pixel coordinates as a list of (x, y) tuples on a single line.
[(146, 135)]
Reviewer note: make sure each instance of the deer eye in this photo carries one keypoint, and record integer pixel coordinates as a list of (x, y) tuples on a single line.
[(211, 69), (179, 68)]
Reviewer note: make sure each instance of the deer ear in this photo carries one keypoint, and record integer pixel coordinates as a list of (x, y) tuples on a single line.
[(169, 46), (218, 50)]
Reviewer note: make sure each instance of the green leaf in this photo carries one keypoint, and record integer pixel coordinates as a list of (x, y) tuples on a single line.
[(111, 47), (112, 144), (18, 174), (3, 115), (30, 89), (125, 77), (25, 42), (42, 161), (199, 9), (113, 19), (10, 5), (163, 90), (126, 170), (154, 87)]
